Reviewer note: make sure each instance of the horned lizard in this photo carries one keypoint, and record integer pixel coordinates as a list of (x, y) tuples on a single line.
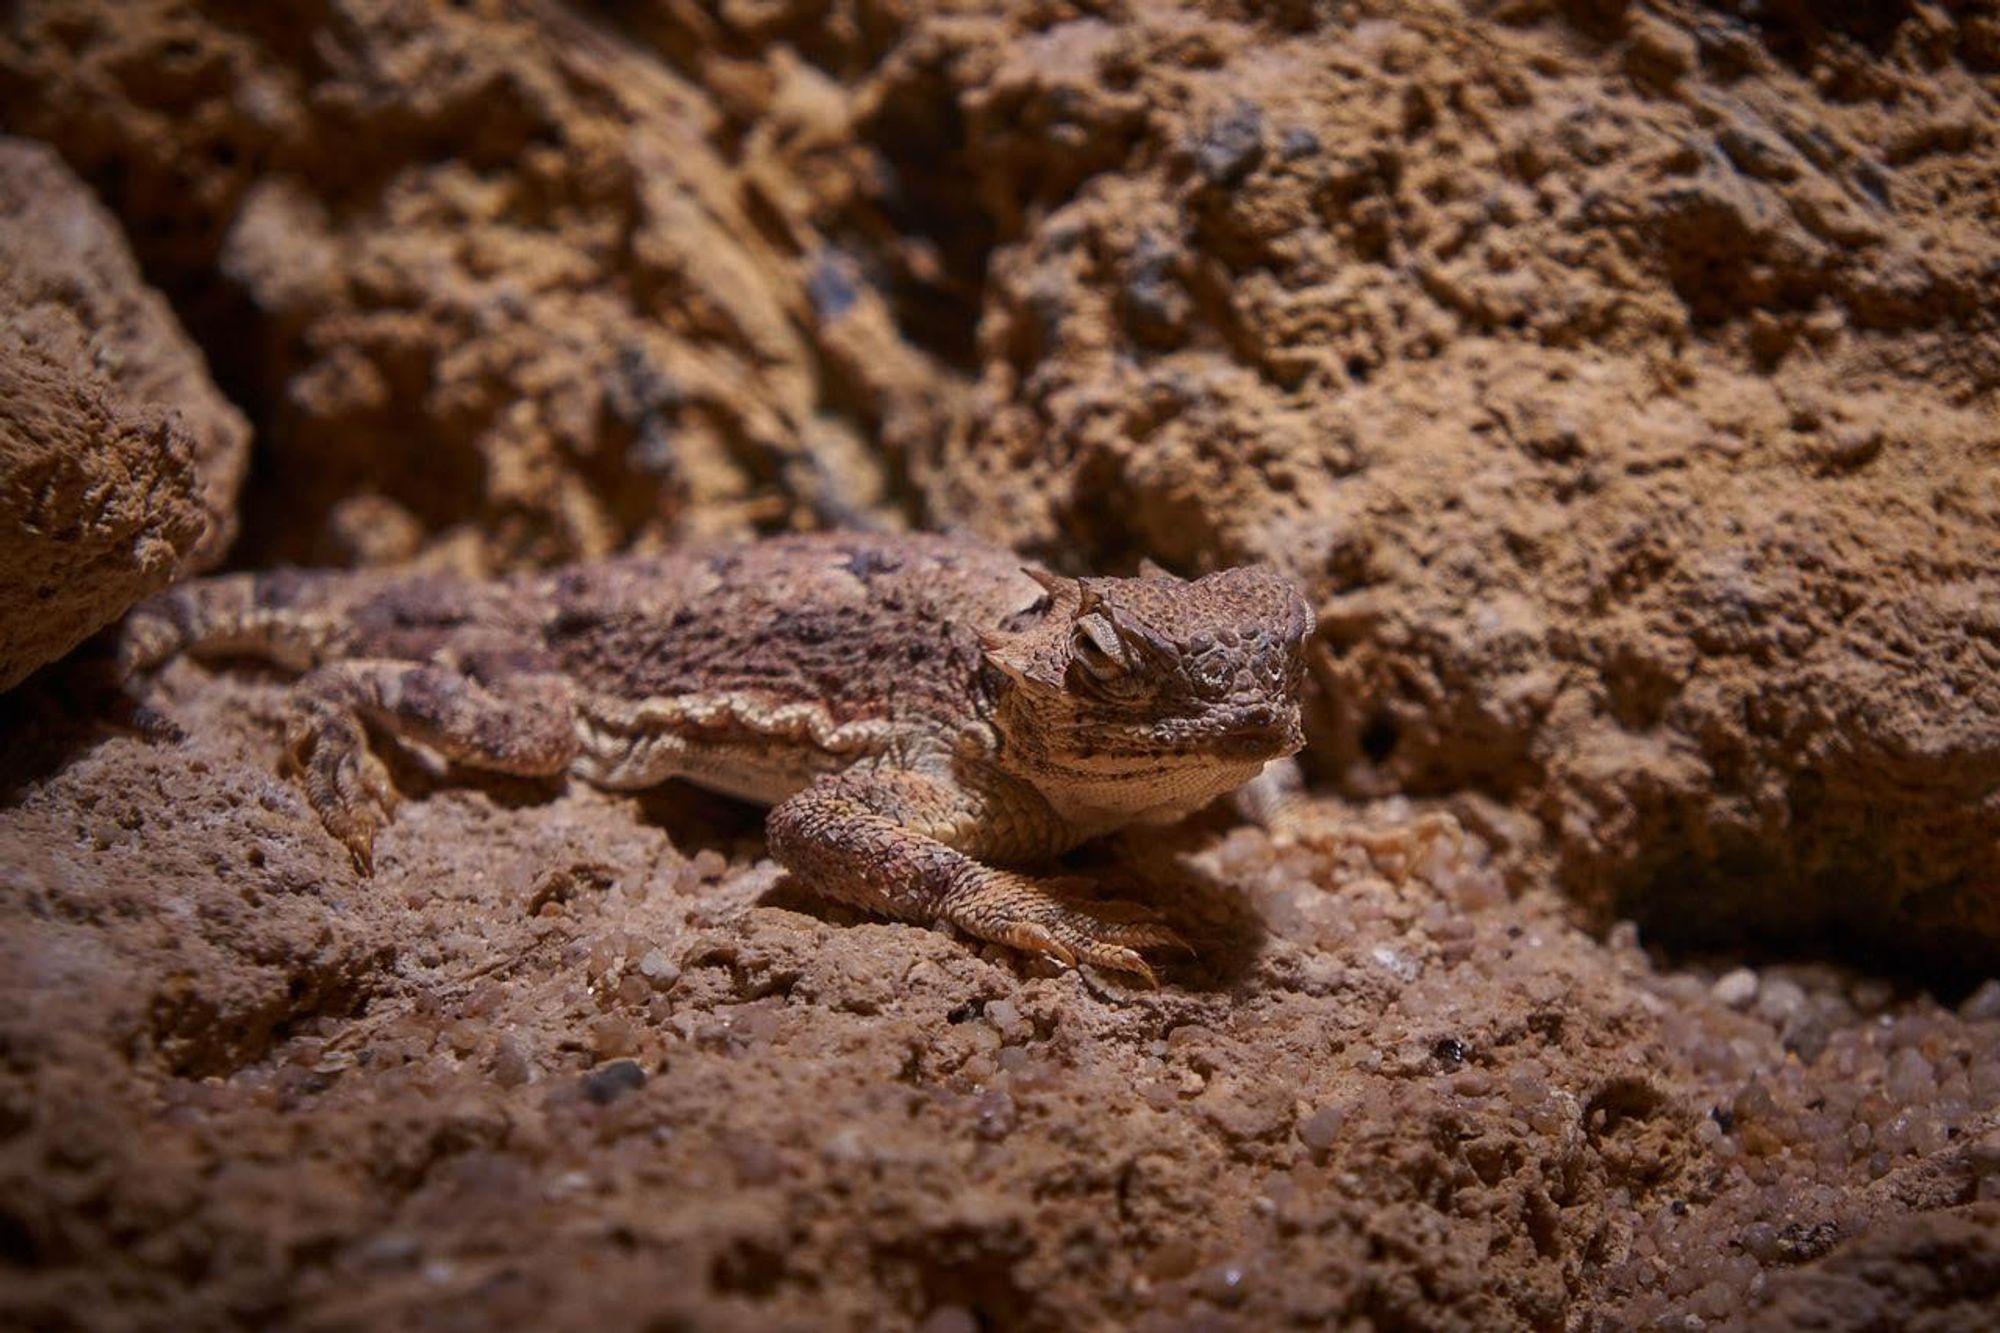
[(926, 716)]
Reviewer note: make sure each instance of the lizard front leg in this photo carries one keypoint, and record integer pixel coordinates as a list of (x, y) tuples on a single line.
[(523, 726), (883, 840)]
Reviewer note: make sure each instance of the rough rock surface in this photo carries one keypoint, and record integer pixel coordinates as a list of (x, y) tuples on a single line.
[(1930, 1271), (119, 461), (1623, 378), (1619, 376), (504, 283)]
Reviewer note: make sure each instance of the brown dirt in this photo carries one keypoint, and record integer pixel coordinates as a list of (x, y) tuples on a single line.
[(119, 461), (1620, 378)]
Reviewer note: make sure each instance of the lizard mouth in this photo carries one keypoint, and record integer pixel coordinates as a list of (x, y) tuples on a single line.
[(1263, 740)]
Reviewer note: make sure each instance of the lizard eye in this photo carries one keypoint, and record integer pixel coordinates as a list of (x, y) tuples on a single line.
[(1211, 672)]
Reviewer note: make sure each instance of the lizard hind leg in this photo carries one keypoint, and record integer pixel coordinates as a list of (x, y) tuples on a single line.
[(522, 726)]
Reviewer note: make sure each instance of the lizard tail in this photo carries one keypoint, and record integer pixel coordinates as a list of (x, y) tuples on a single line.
[(250, 615)]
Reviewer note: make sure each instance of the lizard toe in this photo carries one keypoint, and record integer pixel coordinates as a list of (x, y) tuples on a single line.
[(1111, 934), (1034, 937), (1118, 958), (1147, 935)]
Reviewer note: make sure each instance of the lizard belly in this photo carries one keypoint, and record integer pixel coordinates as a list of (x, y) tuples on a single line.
[(745, 748), (760, 776)]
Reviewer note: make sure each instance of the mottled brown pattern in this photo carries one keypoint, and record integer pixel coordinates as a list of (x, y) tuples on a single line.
[(863, 626), (925, 714)]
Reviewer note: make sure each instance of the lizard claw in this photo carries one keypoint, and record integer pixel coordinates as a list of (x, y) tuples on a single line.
[(1129, 961)]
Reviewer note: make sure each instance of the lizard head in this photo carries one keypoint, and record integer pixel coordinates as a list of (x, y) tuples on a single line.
[(1145, 698)]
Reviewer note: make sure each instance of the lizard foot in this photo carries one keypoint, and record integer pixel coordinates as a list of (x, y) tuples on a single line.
[(346, 784), (1047, 917)]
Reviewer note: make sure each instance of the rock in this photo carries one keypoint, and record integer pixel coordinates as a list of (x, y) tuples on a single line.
[(119, 461), (660, 971), (1229, 149), (1651, 610), (1531, 339), (1736, 988), (1321, 1129), (584, 325), (1983, 1005), (1946, 1265), (607, 1083)]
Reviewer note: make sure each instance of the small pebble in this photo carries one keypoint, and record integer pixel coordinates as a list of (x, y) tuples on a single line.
[(612, 1035), (996, 1113), (1911, 1077), (1006, 1018), (1760, 1240), (949, 1319), (1983, 1005), (1397, 964), (1319, 1130), (658, 969), (1472, 1083), (1852, 444), (1871, 995), (608, 1083), (1736, 989), (509, 1065), (1778, 999)]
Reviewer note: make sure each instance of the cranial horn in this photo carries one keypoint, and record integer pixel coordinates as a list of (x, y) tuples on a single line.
[(1088, 599), (1150, 568)]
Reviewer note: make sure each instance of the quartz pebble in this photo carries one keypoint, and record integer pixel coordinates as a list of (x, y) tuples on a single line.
[(658, 969), (1736, 989), (1910, 1076)]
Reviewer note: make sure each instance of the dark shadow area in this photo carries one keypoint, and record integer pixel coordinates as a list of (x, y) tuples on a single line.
[(789, 895), (1694, 912), (1796, 30), (1151, 867), (927, 201), (699, 820), (59, 714)]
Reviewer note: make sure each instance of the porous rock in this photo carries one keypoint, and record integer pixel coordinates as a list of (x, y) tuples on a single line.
[(119, 460), (491, 272)]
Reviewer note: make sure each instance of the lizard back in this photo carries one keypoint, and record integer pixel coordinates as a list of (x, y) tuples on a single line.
[(779, 660)]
